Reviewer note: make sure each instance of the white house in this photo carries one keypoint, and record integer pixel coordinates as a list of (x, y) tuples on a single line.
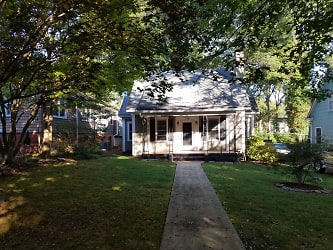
[(203, 114)]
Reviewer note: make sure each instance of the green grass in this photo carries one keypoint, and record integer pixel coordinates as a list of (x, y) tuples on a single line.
[(107, 203), (267, 217)]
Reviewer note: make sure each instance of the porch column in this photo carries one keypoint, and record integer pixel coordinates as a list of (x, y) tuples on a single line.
[(123, 135), (138, 138), (228, 133), (134, 137), (251, 125), (240, 130)]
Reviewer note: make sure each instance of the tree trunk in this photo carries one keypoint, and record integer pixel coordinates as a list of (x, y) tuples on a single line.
[(299, 172), (268, 121), (10, 149), (299, 175), (47, 130)]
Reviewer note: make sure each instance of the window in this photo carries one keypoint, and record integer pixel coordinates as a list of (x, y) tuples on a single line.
[(158, 129), (60, 111), (129, 131), (217, 128), (213, 128), (318, 135), (161, 130), (330, 104)]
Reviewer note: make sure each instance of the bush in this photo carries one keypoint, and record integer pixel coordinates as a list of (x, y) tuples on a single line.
[(304, 156), (87, 153), (286, 138), (259, 150), (305, 153)]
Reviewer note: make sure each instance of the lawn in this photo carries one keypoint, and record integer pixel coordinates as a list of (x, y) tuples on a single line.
[(267, 217), (108, 203)]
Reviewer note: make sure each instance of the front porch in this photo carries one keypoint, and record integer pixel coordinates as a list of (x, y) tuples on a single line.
[(201, 137)]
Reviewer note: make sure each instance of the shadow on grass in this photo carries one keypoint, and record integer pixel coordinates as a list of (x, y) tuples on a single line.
[(110, 203)]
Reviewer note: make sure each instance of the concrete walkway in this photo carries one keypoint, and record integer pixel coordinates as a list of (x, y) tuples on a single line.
[(196, 218)]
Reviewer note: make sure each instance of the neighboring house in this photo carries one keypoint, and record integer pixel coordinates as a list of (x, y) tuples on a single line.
[(74, 124), (321, 119), (203, 114), (87, 124)]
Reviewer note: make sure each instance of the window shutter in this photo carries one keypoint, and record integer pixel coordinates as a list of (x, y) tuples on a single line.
[(152, 129), (170, 124)]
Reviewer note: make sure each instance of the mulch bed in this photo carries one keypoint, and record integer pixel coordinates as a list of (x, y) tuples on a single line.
[(302, 187), (23, 166)]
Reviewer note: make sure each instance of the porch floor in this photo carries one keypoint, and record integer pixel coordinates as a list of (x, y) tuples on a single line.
[(220, 157)]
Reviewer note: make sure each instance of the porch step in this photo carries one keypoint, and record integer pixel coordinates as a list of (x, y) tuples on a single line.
[(222, 157), (188, 157)]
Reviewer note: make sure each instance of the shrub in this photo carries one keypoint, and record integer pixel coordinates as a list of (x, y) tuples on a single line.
[(258, 149), (286, 138), (87, 153), (304, 156)]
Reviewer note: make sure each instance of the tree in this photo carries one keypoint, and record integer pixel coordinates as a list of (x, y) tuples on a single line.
[(304, 156), (283, 44), (297, 108), (267, 83), (53, 49)]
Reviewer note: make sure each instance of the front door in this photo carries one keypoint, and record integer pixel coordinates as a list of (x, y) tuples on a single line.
[(187, 134)]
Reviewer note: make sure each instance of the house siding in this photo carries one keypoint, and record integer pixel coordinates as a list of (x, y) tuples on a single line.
[(70, 125), (322, 117), (34, 131), (35, 126)]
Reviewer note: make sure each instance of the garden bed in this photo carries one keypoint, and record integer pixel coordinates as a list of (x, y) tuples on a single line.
[(303, 187)]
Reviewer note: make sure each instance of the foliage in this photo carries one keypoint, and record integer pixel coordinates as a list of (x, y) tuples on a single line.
[(64, 146), (184, 25), (82, 153), (60, 49), (258, 149), (304, 156), (286, 138), (297, 109), (57, 49), (282, 47)]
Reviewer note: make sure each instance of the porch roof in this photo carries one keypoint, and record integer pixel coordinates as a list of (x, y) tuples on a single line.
[(197, 92)]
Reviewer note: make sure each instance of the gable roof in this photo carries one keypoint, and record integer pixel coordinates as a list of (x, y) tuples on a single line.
[(200, 91), (122, 111), (327, 86)]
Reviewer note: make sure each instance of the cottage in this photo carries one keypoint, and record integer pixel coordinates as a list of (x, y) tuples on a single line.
[(202, 114), (321, 119)]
